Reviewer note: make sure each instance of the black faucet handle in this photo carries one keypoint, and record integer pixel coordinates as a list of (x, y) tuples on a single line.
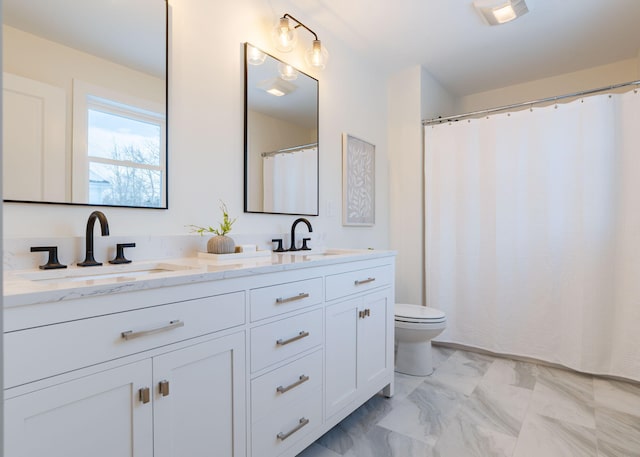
[(279, 248), (304, 244), (120, 258), (52, 262)]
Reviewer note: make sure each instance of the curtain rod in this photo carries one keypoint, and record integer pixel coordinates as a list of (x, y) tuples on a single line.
[(289, 150), (458, 117)]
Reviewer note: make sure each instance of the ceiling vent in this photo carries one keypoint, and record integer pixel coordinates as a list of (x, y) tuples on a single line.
[(277, 86), (496, 12)]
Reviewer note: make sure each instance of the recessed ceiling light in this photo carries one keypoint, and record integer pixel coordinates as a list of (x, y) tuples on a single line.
[(277, 86), (496, 12)]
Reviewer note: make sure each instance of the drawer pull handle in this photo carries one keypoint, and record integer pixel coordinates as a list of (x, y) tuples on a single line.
[(290, 299), (163, 387), (283, 436), (359, 282), (130, 334), (144, 395), (299, 336), (303, 378)]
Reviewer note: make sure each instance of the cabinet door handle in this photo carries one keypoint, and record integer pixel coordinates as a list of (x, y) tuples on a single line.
[(144, 395), (361, 314), (299, 336), (130, 334), (367, 312), (303, 378), (283, 436), (290, 299), (163, 387), (359, 282)]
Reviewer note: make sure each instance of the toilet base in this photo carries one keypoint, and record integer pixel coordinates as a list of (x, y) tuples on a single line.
[(414, 358)]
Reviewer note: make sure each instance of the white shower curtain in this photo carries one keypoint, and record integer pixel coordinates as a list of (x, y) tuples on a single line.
[(291, 182), (533, 232)]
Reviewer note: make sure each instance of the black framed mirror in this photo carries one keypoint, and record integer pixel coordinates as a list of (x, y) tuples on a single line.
[(85, 102), (280, 137)]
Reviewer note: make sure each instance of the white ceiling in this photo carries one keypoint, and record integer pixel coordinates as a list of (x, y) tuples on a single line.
[(446, 37), (131, 33), (450, 40)]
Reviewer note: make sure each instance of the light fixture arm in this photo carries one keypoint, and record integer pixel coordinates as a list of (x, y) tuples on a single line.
[(300, 24)]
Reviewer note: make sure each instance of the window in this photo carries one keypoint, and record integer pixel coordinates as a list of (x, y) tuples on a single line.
[(119, 150)]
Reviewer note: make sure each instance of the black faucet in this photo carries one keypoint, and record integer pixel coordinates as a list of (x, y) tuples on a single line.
[(293, 233), (89, 261)]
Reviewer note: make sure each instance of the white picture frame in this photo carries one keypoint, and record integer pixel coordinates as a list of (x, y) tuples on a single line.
[(358, 182)]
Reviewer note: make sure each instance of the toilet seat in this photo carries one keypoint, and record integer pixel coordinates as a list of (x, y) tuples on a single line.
[(418, 314)]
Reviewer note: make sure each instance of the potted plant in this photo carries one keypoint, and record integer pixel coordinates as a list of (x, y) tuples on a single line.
[(219, 244)]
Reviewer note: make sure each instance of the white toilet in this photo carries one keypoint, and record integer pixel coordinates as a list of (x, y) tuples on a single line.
[(416, 326)]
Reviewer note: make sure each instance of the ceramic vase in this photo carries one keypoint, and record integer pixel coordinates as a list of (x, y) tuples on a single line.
[(221, 244)]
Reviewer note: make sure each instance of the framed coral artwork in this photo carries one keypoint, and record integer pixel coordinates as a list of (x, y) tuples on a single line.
[(358, 181)]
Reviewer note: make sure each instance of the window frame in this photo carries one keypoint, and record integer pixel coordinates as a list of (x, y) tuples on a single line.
[(88, 96)]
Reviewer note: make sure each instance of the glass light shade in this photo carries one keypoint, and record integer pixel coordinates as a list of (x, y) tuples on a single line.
[(285, 37), (287, 72), (255, 56), (317, 55)]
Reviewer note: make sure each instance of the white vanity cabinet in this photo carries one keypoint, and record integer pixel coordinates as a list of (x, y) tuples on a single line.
[(97, 415), (359, 346), (286, 364), (130, 383), (240, 363)]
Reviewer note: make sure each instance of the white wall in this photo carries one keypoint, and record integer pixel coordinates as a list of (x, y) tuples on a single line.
[(592, 78), (206, 132), (413, 95)]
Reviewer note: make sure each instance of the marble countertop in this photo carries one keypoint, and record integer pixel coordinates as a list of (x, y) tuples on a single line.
[(24, 287)]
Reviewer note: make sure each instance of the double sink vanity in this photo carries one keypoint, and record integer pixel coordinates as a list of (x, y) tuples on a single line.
[(250, 357)]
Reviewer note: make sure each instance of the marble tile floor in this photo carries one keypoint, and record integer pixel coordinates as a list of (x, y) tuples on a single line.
[(475, 405)]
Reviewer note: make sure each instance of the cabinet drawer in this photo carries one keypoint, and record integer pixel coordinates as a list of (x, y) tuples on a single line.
[(356, 281), (291, 383), (285, 338), (277, 432), (46, 351), (282, 298)]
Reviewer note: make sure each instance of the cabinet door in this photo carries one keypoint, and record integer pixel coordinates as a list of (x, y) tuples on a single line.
[(372, 340), (99, 415), (199, 400), (341, 327)]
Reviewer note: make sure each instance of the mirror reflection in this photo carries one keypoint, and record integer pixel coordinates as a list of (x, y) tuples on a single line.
[(84, 102), (281, 137)]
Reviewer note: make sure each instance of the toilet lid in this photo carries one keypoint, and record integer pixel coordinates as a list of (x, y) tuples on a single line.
[(418, 313)]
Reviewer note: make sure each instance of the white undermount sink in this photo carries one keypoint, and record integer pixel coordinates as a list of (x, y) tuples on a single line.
[(322, 252), (121, 272)]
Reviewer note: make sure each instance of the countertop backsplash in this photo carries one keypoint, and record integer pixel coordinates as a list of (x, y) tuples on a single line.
[(17, 255)]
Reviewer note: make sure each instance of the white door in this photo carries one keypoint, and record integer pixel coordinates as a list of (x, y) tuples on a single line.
[(341, 326), (99, 415), (33, 141), (372, 340), (199, 400)]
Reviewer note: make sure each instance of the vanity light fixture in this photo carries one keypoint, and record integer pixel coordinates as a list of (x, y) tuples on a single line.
[(255, 56), (287, 72), (285, 38), (496, 12)]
